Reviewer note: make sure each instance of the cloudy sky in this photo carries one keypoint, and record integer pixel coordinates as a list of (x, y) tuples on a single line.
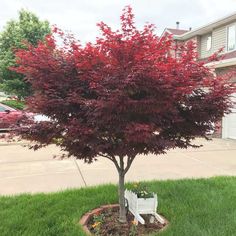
[(81, 16)]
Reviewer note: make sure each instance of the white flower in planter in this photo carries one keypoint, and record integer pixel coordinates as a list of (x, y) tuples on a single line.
[(138, 206)]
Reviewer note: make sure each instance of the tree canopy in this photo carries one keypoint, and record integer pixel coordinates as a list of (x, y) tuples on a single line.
[(27, 28), (123, 96)]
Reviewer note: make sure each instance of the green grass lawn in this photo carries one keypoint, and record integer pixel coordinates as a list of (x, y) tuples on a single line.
[(20, 105), (193, 207)]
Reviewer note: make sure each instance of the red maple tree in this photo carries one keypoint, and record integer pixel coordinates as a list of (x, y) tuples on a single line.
[(123, 96)]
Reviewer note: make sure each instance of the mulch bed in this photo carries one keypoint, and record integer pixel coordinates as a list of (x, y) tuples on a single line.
[(109, 224)]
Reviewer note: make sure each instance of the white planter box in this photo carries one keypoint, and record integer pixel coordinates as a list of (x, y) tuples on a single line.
[(143, 206)]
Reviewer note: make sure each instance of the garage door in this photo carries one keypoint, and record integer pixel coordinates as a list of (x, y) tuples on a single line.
[(229, 124)]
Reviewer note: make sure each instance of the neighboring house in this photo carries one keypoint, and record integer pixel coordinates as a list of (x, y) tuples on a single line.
[(209, 39)]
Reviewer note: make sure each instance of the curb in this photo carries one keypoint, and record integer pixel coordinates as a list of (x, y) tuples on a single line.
[(12, 144)]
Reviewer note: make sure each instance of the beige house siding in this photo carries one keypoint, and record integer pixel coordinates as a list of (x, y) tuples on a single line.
[(219, 37), (203, 46), (219, 40)]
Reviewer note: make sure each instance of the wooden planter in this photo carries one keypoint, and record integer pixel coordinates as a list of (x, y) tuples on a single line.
[(138, 206)]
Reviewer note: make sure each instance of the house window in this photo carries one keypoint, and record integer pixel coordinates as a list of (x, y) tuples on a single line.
[(231, 37), (209, 41)]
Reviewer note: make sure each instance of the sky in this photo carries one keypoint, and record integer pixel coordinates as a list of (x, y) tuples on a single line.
[(80, 16)]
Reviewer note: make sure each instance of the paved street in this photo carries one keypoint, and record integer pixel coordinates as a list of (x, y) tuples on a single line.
[(24, 170)]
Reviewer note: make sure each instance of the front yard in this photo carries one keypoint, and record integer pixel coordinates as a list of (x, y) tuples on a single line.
[(193, 207)]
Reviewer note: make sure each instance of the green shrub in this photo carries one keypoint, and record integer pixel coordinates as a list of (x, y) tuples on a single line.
[(14, 104)]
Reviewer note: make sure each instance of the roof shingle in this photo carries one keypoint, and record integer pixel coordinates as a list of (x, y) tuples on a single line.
[(177, 31)]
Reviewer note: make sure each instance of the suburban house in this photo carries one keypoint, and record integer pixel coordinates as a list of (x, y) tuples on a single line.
[(209, 39)]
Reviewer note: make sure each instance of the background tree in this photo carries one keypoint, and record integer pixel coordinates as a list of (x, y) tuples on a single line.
[(123, 96), (27, 28)]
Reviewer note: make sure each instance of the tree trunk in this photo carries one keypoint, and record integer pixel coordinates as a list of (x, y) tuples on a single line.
[(122, 217)]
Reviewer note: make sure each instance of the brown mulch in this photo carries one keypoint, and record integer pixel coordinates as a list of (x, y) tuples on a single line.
[(110, 226)]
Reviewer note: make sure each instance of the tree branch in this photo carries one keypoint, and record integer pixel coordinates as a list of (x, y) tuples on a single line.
[(129, 162), (116, 163), (108, 157), (113, 159)]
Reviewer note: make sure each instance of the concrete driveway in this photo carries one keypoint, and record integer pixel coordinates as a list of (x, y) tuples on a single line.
[(23, 170)]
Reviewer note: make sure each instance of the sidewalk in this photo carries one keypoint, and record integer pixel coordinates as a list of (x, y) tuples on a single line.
[(23, 170)]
